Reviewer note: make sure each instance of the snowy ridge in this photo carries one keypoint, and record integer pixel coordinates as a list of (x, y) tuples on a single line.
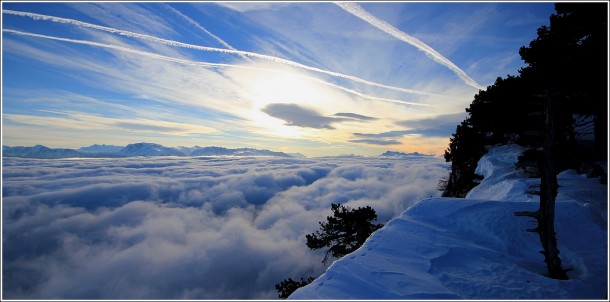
[(400, 154), (137, 149), (473, 248), (95, 148)]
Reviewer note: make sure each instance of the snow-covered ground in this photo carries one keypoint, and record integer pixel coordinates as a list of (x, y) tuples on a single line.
[(475, 248)]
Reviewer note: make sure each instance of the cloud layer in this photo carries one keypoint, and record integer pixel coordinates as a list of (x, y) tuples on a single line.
[(184, 228)]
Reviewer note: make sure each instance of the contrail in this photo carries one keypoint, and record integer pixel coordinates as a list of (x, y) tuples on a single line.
[(207, 64), (191, 21), (359, 12), (212, 49)]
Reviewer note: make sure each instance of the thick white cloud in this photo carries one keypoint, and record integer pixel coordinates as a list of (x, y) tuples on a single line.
[(184, 228)]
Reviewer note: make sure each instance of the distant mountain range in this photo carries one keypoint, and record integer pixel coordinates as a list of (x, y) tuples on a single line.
[(401, 154), (138, 149), (150, 149)]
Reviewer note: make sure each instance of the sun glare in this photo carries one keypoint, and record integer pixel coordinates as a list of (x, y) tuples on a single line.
[(266, 84), (284, 87)]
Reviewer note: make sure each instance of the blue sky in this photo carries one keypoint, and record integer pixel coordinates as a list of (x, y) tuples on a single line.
[(315, 78)]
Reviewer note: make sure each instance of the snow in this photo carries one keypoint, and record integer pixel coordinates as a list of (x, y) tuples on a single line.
[(475, 248), (400, 154), (95, 148), (149, 149), (501, 180), (132, 150)]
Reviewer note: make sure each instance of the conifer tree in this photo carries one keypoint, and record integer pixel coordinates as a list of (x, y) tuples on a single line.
[(345, 231), (288, 286)]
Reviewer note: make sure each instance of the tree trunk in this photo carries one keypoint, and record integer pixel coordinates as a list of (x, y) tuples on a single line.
[(548, 192)]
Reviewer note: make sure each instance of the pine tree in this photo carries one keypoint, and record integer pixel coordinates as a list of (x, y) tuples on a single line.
[(288, 286), (563, 87), (345, 231)]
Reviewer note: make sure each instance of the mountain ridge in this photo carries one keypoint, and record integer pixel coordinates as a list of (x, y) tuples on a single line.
[(153, 149), (131, 150)]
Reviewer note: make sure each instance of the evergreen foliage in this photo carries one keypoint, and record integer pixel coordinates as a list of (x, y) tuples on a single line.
[(288, 286), (568, 60), (345, 231)]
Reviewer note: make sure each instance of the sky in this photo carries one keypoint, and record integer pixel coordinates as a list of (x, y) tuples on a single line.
[(317, 78)]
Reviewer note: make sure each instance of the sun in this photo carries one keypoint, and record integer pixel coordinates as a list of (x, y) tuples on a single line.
[(279, 86), (264, 84)]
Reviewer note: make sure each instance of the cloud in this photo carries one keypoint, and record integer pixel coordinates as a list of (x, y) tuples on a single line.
[(197, 25), (220, 65), (83, 121), (184, 228), (201, 48), (389, 134), (356, 116), (295, 115), (253, 6), (381, 139), (439, 126), (379, 142), (359, 12)]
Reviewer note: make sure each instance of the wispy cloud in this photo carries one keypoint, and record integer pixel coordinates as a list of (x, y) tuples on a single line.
[(438, 126), (382, 139), (121, 48), (389, 134), (379, 142), (359, 12), (127, 15), (356, 116), (83, 122), (197, 25), (205, 48), (210, 65), (253, 6), (149, 61)]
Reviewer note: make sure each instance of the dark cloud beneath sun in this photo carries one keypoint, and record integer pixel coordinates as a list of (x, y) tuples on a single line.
[(295, 115)]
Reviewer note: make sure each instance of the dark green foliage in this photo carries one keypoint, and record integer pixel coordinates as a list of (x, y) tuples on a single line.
[(568, 60), (345, 231), (288, 286), (465, 148)]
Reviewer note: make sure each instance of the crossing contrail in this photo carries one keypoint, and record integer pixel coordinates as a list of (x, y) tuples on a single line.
[(207, 64), (359, 12), (212, 49), (194, 23)]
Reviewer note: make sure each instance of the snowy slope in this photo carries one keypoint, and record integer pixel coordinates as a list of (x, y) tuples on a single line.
[(39, 151), (138, 149), (149, 149), (95, 148), (475, 248), (400, 154)]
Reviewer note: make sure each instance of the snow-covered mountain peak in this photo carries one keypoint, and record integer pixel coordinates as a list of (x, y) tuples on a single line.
[(95, 148), (149, 149), (137, 149), (400, 154)]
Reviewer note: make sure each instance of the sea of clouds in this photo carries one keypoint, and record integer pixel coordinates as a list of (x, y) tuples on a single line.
[(185, 227)]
